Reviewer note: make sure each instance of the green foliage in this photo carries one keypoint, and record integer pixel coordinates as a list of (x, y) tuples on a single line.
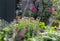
[(31, 30), (46, 11), (1, 36), (56, 13)]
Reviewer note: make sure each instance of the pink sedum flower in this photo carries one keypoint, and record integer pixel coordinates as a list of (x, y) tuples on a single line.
[(51, 9)]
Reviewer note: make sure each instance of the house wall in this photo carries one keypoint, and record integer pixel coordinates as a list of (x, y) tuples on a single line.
[(7, 9)]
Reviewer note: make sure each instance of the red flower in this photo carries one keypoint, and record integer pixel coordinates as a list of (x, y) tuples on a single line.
[(21, 34), (26, 27), (33, 9), (41, 31)]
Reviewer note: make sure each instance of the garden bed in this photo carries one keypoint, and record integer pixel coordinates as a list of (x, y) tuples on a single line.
[(28, 29)]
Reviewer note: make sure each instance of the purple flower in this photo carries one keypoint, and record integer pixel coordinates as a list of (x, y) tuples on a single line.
[(42, 31), (26, 27), (21, 34)]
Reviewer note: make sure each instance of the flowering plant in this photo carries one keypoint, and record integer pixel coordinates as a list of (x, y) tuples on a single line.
[(27, 29), (30, 11)]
